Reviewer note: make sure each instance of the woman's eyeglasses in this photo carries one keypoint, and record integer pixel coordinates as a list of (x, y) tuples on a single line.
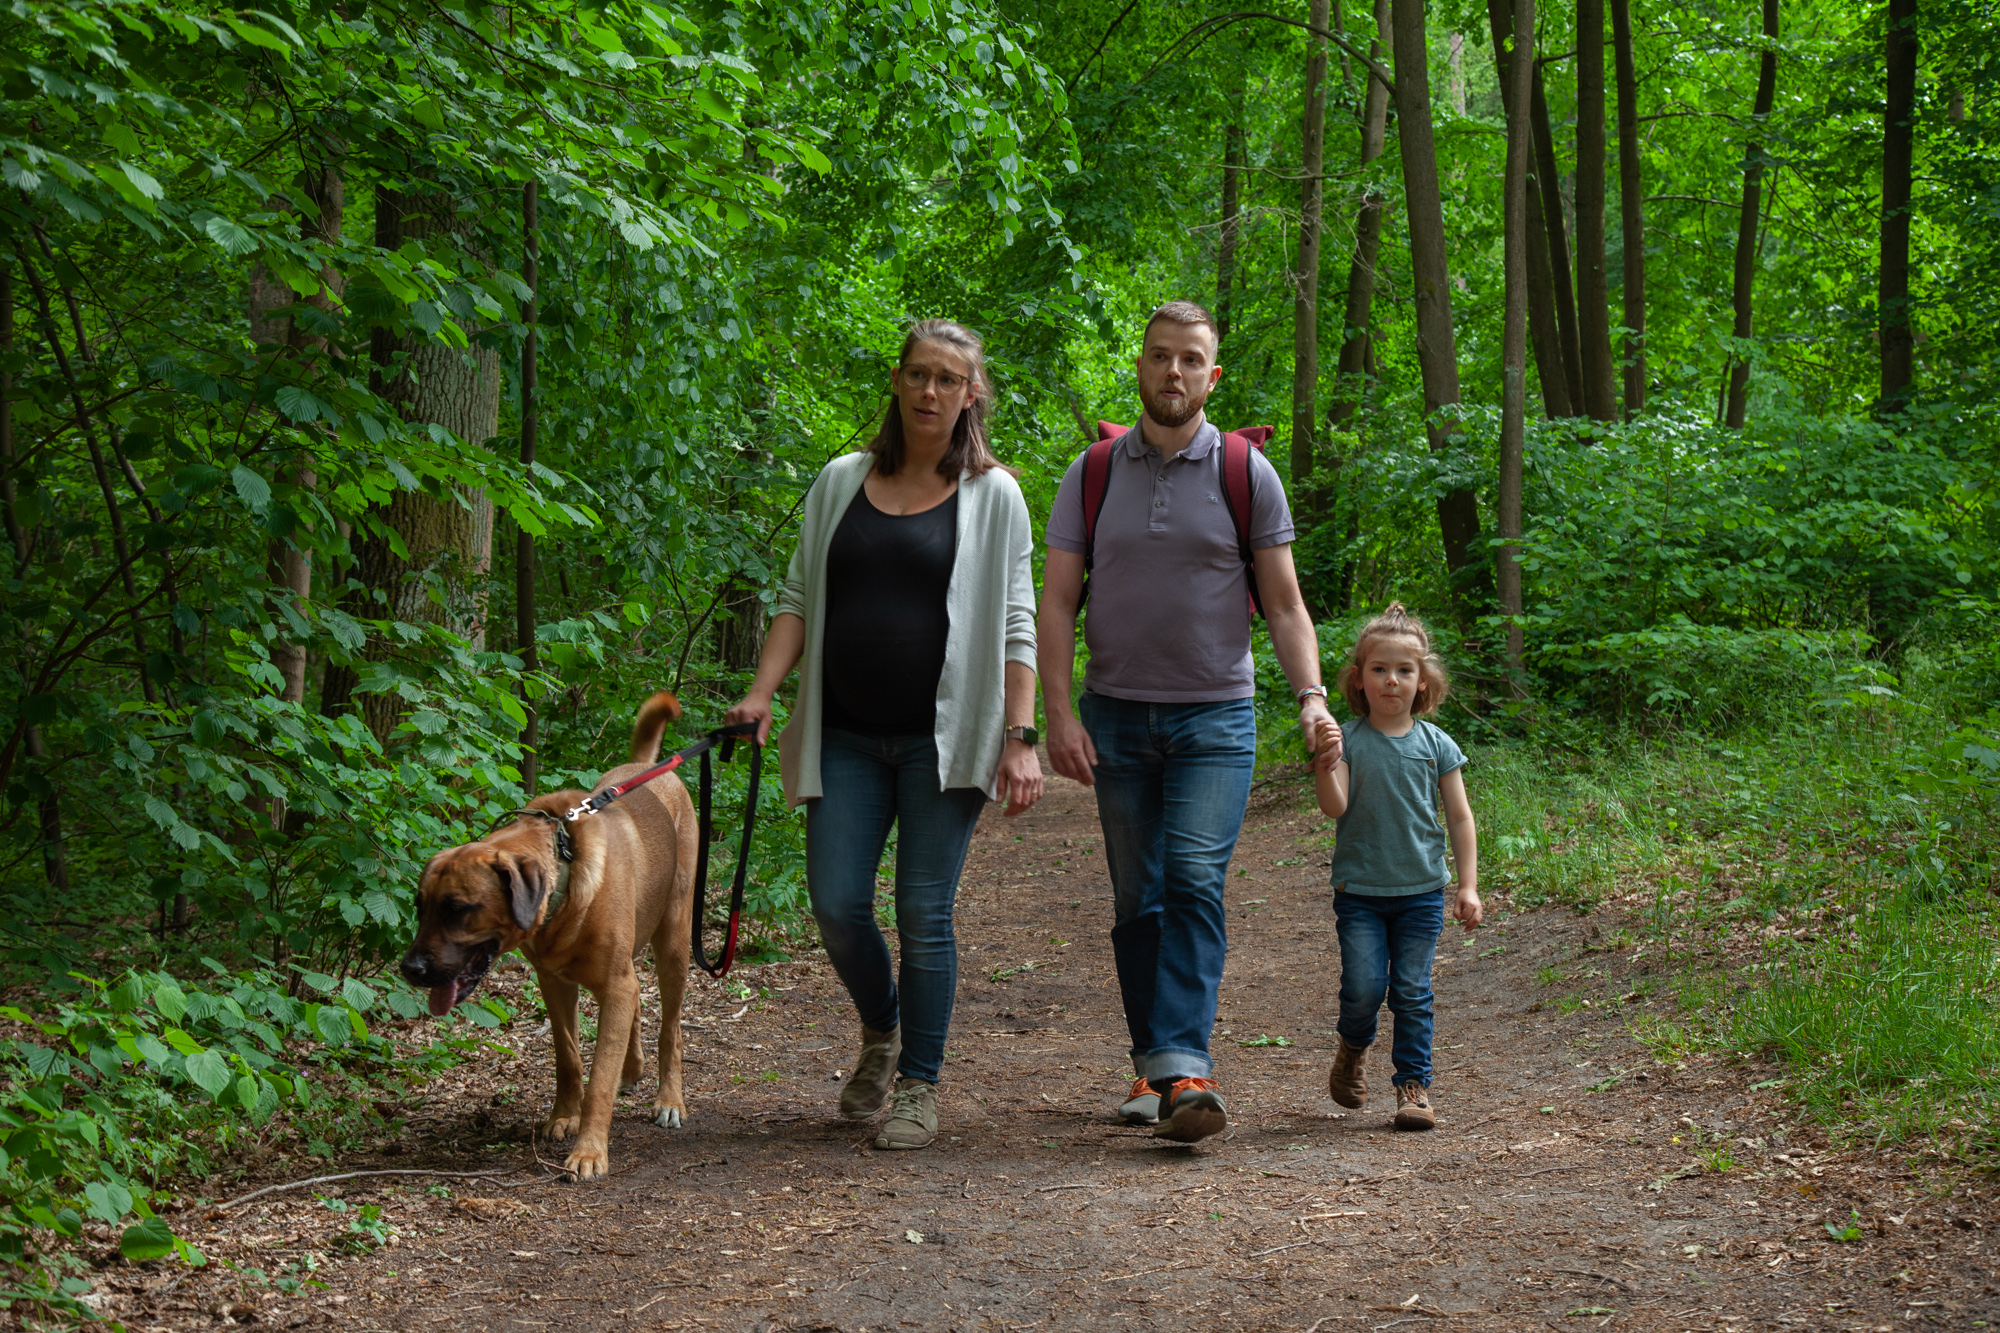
[(917, 379)]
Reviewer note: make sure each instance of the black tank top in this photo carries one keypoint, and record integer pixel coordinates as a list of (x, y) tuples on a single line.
[(886, 623)]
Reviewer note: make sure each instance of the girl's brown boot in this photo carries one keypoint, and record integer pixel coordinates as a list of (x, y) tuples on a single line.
[(1347, 1083)]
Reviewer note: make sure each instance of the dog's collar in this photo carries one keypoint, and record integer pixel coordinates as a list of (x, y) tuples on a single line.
[(565, 845), (565, 852), (560, 893)]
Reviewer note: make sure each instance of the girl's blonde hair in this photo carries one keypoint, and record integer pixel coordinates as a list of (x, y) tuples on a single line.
[(1433, 681)]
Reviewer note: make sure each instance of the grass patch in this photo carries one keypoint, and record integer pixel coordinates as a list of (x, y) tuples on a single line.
[(1891, 1022)]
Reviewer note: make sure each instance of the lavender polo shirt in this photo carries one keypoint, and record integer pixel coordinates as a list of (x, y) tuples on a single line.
[(1168, 620)]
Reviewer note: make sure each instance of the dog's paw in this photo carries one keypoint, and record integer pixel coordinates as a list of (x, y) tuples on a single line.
[(561, 1126), (669, 1117), (590, 1161)]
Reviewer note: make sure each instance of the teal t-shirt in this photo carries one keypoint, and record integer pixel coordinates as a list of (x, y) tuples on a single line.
[(1391, 841)]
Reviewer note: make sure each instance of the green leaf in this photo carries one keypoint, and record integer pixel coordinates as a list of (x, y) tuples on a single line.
[(150, 1239), (299, 405), (254, 490), (331, 1023), (125, 996), (429, 113), (357, 994), (257, 36), (109, 1202), (181, 1042), (142, 182), (170, 1000), (319, 981), (209, 1072), (233, 237)]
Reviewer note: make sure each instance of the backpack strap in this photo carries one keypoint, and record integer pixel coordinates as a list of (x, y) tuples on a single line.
[(1237, 494), (1096, 481)]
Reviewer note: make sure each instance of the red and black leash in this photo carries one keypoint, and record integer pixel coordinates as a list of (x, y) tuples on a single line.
[(724, 739)]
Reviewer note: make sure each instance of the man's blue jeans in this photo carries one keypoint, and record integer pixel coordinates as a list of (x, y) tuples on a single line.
[(1386, 948), (1173, 781), (872, 782)]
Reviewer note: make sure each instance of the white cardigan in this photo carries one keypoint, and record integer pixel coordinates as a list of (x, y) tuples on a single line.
[(990, 603)]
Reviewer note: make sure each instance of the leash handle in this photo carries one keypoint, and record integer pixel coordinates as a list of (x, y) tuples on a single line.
[(706, 834)]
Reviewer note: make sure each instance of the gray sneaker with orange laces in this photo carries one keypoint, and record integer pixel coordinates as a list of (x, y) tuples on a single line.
[(1191, 1110)]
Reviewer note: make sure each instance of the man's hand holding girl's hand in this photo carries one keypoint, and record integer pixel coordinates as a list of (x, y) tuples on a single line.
[(1467, 909), (1326, 743)]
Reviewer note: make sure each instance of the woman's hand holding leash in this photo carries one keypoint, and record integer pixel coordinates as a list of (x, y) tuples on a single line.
[(753, 709)]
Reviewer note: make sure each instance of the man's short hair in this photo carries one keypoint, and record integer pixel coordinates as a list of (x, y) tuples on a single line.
[(1185, 313)]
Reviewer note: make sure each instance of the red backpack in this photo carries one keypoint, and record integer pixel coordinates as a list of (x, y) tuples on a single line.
[(1236, 492)]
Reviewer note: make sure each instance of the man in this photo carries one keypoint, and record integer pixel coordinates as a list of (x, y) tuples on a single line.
[(1168, 734)]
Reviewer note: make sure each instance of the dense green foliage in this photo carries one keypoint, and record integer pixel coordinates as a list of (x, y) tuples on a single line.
[(267, 295)]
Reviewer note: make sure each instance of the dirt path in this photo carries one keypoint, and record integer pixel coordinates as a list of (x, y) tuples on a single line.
[(1558, 1191)]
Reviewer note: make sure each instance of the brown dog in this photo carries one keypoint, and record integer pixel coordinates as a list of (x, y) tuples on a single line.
[(581, 923)]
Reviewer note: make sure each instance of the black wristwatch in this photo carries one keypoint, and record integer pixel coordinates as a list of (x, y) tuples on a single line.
[(1028, 734)]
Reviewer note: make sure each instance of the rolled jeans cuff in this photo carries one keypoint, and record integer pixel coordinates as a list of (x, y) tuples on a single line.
[(1161, 1066)]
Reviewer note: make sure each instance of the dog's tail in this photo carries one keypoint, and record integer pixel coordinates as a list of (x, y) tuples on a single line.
[(654, 715)]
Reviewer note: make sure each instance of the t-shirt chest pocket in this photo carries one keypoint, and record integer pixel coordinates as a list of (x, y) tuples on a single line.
[(1421, 772)]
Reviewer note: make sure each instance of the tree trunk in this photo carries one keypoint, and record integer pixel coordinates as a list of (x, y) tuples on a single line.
[(1517, 74), (739, 626), (1746, 220), (461, 392), (1898, 149), (1234, 159), (1549, 187), (1543, 332), (1359, 316), (1437, 345), (1631, 207), (525, 620), (291, 567), (1593, 283), (1305, 273)]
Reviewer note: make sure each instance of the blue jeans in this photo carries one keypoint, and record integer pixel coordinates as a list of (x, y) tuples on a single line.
[(872, 782), (1386, 947), (1173, 781)]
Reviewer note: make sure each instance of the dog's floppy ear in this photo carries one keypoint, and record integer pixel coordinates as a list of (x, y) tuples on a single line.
[(526, 890)]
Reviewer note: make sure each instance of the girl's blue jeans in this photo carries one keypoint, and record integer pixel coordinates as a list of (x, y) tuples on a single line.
[(1386, 948), (872, 782)]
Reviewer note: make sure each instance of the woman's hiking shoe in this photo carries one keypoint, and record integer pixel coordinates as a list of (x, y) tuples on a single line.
[(1413, 1107), (1143, 1106), (912, 1121), (1347, 1082), (1190, 1110), (874, 1073)]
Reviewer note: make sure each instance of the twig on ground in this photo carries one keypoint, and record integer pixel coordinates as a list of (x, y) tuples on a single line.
[(1080, 1185), (1545, 1170), (1293, 1246), (356, 1175), (1601, 1277)]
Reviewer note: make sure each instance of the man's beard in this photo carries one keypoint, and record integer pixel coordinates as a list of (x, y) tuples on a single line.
[(1172, 412)]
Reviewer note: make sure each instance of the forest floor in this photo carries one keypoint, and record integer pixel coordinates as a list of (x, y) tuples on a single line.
[(1573, 1182)]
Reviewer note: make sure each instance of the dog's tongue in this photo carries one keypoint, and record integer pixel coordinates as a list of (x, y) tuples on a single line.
[(443, 998)]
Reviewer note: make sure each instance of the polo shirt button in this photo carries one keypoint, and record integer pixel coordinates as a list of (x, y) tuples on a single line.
[(1159, 504)]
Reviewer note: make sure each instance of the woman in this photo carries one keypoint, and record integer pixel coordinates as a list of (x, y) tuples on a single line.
[(912, 604)]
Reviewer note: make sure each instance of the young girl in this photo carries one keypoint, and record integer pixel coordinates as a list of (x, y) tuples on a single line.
[(1381, 776)]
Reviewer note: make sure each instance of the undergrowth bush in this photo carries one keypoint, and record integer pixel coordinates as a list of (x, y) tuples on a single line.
[(113, 1089)]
